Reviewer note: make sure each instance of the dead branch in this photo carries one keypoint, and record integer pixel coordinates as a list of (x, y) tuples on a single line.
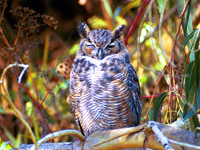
[(133, 137)]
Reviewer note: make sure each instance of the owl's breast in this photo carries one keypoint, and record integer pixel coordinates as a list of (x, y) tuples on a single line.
[(99, 93), (100, 76)]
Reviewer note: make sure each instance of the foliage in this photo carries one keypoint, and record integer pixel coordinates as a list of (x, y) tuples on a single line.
[(164, 49)]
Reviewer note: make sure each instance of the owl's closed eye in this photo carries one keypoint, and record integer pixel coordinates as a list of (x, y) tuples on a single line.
[(99, 43)]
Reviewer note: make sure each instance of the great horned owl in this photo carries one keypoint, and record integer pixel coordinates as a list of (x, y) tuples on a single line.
[(104, 87)]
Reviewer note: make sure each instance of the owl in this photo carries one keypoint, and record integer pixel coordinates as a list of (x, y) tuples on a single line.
[(104, 87)]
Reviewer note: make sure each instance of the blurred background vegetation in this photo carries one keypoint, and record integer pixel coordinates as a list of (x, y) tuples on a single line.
[(43, 34)]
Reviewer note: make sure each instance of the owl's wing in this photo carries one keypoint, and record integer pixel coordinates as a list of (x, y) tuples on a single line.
[(79, 95), (134, 87), (74, 97)]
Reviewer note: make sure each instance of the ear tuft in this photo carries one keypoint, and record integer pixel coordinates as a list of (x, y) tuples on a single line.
[(83, 29), (118, 32)]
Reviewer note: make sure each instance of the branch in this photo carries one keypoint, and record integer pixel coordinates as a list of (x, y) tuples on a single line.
[(145, 3), (58, 134), (4, 38), (135, 138), (17, 112), (36, 91), (173, 50), (132, 137), (161, 138), (155, 90), (4, 7)]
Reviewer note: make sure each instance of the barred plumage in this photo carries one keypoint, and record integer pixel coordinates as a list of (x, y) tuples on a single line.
[(104, 87)]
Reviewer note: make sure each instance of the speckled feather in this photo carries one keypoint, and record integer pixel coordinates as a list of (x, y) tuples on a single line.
[(104, 94)]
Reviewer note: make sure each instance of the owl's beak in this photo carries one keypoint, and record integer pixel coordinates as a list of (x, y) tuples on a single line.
[(100, 53)]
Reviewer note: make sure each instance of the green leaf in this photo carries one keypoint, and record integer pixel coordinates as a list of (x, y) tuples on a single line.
[(187, 18), (108, 8), (197, 73), (189, 114), (192, 94), (13, 94), (15, 142), (194, 122), (96, 22), (194, 44), (56, 89), (3, 95), (180, 114), (64, 85), (161, 7), (35, 125), (117, 12), (158, 103), (198, 99), (185, 110), (186, 23), (74, 49), (182, 102), (2, 111), (190, 36), (150, 113), (197, 63), (192, 90), (195, 108), (189, 79)]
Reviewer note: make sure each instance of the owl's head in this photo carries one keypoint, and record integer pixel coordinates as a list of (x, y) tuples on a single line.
[(99, 43)]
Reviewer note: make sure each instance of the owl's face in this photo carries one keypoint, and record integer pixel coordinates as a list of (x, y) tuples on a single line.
[(99, 43)]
